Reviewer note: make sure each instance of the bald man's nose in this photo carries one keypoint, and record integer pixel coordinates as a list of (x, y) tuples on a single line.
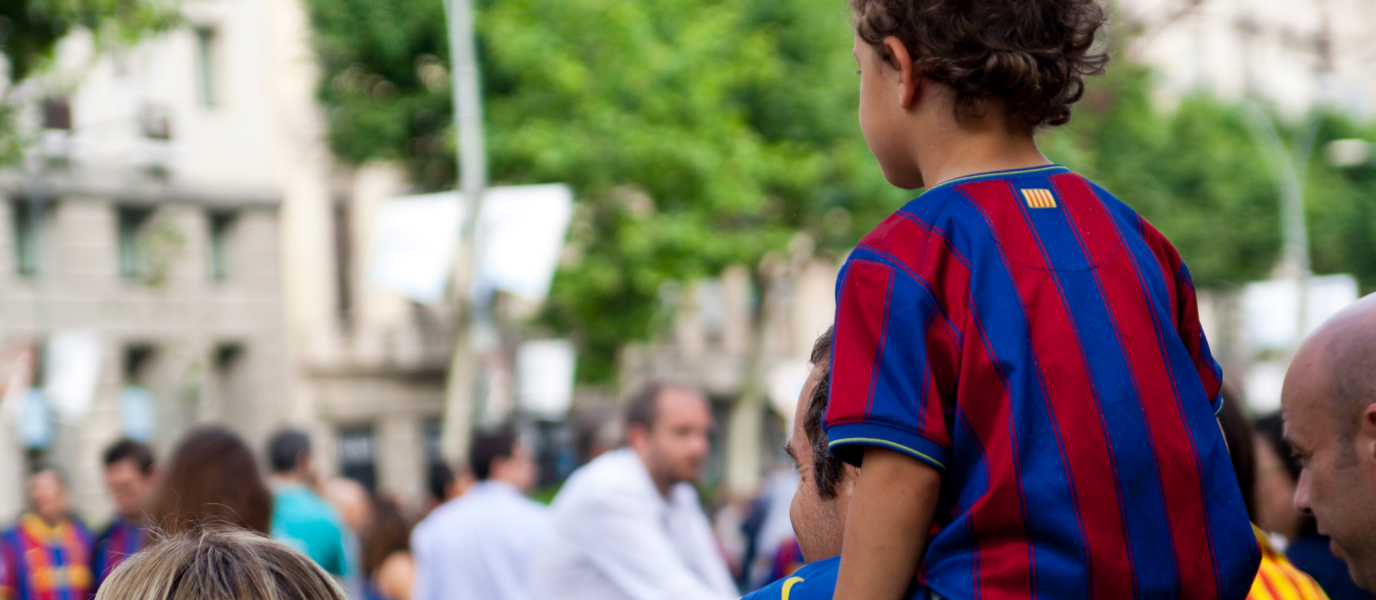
[(1302, 493)]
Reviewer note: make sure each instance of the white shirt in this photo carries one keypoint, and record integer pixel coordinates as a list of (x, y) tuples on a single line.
[(479, 546), (617, 538)]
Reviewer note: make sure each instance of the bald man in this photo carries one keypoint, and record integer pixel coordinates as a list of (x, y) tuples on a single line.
[(1329, 407)]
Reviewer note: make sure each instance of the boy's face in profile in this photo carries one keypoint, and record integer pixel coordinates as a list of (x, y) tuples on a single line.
[(885, 116)]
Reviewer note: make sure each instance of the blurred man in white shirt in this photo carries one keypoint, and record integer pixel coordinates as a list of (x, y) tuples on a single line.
[(628, 525), (480, 545)]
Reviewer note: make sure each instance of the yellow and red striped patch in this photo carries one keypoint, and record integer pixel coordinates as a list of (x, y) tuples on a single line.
[(1039, 198)]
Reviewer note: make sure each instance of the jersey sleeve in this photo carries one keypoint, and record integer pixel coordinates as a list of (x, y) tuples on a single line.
[(893, 345), (1186, 314)]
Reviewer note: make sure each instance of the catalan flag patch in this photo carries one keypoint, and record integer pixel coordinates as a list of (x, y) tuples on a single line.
[(1039, 198)]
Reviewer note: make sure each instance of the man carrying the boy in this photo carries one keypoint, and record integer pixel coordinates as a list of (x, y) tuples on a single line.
[(1018, 363)]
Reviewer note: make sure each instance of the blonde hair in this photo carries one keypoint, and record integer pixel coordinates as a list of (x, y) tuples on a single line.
[(218, 563)]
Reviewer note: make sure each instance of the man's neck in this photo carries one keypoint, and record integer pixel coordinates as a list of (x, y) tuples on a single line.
[(663, 484), (50, 522), (286, 480)]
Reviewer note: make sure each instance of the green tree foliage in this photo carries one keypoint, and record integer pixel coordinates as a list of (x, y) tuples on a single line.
[(701, 133), (29, 29), (696, 134)]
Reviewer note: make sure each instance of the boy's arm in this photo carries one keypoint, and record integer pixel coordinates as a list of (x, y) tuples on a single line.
[(890, 516)]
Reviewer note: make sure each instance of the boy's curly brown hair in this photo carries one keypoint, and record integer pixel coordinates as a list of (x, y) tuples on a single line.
[(1028, 56)]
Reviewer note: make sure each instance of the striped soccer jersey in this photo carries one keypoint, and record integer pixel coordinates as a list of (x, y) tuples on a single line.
[(1037, 341), (39, 562), (119, 541)]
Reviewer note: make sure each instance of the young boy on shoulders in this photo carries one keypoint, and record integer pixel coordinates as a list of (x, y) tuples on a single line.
[(1018, 357)]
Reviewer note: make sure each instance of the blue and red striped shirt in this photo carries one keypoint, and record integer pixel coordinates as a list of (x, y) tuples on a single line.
[(119, 541), (1037, 341), (42, 562)]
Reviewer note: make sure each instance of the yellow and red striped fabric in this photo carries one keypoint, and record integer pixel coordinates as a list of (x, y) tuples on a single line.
[(1278, 579)]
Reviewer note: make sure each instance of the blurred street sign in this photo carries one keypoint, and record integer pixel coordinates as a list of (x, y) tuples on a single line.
[(1349, 152), (521, 231), (413, 246), (544, 378), (1271, 308), (70, 370), (35, 423)]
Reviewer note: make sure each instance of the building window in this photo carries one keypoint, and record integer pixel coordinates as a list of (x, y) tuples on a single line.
[(221, 222), (155, 121), (205, 67), (343, 262), (57, 114), (355, 450), (26, 236), (132, 251), (231, 387), (137, 410)]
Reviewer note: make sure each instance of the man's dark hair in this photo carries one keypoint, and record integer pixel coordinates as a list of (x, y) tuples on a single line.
[(287, 447), (43, 466), (438, 481), (643, 408), (489, 446), (138, 453), (1029, 57), (827, 468)]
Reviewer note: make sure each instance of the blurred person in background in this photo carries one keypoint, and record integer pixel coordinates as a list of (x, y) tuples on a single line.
[(1328, 403), (444, 484), (479, 546), (219, 563), (628, 525), (1277, 474), (210, 478), (129, 480), (47, 553), (388, 566), (300, 517), (354, 504), (769, 550), (1277, 578)]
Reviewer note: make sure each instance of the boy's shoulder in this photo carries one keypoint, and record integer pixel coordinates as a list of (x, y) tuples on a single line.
[(959, 217)]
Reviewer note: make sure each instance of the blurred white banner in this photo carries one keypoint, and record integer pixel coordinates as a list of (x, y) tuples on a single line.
[(521, 231), (783, 384), (70, 371), (544, 377), (414, 240), (1271, 308)]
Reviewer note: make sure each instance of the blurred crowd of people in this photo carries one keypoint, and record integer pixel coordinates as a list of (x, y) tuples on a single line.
[(627, 525)]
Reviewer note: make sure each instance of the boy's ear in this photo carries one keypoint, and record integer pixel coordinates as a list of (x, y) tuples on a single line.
[(897, 56)]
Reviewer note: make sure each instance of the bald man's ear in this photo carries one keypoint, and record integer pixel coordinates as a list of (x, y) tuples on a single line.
[(1367, 428)]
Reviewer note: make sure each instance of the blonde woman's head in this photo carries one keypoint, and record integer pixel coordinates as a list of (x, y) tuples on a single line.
[(219, 564)]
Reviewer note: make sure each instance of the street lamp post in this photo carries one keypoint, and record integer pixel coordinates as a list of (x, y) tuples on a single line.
[(1291, 178), (472, 174)]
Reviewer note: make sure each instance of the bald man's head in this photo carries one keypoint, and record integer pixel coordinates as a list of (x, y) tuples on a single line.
[(1349, 351), (1329, 406)]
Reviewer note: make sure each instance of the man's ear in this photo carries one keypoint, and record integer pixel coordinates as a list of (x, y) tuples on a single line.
[(1367, 429), (849, 475), (896, 54), (635, 435)]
